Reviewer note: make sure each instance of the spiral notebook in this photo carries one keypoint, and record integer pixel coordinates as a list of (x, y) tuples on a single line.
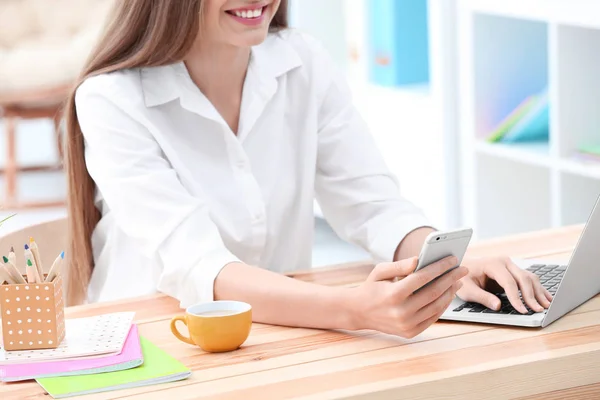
[(130, 357)]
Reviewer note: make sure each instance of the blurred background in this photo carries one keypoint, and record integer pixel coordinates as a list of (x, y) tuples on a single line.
[(488, 111)]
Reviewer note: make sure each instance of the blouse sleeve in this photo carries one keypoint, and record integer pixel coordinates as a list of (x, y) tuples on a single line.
[(148, 200), (358, 195)]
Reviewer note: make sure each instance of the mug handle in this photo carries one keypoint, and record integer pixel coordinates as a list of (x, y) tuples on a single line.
[(176, 332)]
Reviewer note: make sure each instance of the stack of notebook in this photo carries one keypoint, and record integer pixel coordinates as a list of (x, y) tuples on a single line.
[(528, 122), (98, 354)]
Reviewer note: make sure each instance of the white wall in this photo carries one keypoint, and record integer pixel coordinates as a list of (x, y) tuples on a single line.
[(413, 130), (324, 20)]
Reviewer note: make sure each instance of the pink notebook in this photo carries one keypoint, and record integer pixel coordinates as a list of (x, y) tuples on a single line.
[(130, 357)]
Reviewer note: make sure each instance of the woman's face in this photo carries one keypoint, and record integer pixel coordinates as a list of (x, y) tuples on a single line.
[(241, 23)]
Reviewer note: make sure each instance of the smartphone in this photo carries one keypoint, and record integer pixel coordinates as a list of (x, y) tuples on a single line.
[(439, 245)]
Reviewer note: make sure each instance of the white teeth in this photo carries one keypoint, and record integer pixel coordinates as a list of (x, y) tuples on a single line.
[(249, 13)]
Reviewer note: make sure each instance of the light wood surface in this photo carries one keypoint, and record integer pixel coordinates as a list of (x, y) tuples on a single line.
[(448, 361)]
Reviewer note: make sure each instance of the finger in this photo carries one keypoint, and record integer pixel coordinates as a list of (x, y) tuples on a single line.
[(426, 324), (435, 290), (439, 305), (472, 292), (508, 283), (427, 274), (540, 294), (547, 294), (390, 270), (526, 284)]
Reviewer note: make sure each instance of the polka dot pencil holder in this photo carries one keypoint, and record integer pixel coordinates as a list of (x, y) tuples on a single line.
[(32, 315)]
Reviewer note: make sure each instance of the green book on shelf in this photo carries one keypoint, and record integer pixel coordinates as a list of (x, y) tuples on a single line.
[(512, 119), (590, 149), (533, 126), (158, 367)]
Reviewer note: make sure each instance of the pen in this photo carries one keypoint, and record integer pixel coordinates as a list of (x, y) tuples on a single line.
[(36, 258), (13, 272), (29, 257), (56, 267), (31, 278)]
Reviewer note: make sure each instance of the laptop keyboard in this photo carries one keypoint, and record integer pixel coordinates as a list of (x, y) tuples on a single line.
[(550, 277)]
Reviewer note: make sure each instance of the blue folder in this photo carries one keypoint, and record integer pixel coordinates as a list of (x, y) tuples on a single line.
[(398, 41)]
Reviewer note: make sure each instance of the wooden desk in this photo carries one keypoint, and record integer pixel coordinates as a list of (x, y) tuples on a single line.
[(448, 361)]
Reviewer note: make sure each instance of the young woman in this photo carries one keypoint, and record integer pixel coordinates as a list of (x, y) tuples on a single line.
[(199, 136)]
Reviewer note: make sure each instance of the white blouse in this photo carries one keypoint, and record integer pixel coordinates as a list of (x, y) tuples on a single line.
[(181, 195)]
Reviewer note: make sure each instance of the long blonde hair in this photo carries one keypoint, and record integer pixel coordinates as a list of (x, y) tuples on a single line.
[(139, 33)]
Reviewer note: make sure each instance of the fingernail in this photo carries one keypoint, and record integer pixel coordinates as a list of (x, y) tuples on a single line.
[(496, 305)]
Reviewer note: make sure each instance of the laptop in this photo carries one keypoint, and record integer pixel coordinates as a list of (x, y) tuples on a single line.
[(571, 285)]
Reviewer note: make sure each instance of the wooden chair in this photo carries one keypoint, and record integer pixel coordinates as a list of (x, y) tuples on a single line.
[(51, 237), (43, 45), (45, 103)]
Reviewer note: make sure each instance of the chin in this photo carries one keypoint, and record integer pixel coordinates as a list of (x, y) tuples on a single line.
[(250, 39)]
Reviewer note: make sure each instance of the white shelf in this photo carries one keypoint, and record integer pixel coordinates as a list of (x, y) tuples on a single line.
[(584, 169), (511, 49), (579, 195), (584, 13), (512, 197), (577, 88), (538, 154), (527, 153), (529, 9)]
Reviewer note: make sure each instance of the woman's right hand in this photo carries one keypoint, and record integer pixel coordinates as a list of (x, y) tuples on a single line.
[(386, 301)]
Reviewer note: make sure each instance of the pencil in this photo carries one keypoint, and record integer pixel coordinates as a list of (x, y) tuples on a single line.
[(36, 257), (13, 271), (56, 267), (12, 256), (5, 276), (29, 257), (31, 278)]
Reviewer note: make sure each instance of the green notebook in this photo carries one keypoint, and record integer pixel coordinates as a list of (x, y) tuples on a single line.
[(512, 119), (158, 367), (590, 149)]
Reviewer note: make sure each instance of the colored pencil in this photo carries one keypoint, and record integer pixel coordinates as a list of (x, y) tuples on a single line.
[(31, 273), (12, 256), (56, 267), (29, 257), (5, 276), (36, 257), (13, 271)]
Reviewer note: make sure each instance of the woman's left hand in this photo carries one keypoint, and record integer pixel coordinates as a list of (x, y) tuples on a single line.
[(493, 275)]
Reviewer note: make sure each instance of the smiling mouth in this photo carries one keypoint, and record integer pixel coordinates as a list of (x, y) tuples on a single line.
[(249, 13)]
